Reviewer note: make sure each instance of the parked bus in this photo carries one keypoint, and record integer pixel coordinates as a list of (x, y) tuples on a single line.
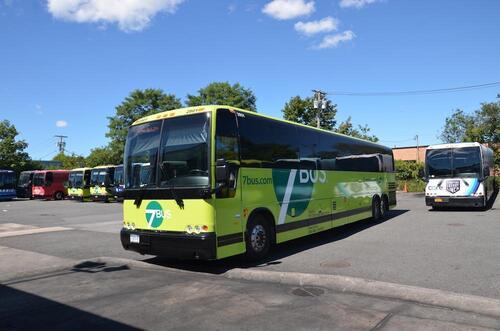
[(79, 184), (24, 184), (118, 183), (459, 175), (50, 184), (225, 181), (7, 184), (101, 182)]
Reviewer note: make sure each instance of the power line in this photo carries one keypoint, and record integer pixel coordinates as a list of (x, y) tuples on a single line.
[(42, 157), (418, 92)]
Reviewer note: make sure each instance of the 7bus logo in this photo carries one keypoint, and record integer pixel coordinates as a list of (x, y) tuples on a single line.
[(312, 175), (155, 214)]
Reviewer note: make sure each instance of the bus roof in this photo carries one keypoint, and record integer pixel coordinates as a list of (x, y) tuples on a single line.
[(209, 108), (80, 169), (454, 145), (51, 170), (104, 166)]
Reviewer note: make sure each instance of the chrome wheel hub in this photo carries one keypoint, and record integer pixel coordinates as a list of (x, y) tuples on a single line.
[(258, 238)]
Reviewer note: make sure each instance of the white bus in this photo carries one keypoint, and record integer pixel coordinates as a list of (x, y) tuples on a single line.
[(459, 175)]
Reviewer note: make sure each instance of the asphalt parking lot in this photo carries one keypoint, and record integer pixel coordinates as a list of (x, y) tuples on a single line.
[(50, 271)]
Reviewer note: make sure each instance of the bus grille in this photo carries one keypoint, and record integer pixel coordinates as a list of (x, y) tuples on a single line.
[(391, 186), (334, 205)]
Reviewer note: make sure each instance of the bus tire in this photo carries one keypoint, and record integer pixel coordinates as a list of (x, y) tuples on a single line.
[(58, 195), (384, 206), (376, 213), (258, 238)]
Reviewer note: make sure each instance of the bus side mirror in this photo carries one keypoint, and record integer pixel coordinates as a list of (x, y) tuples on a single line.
[(221, 172)]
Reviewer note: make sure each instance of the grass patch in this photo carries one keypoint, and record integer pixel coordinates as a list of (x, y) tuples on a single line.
[(413, 185)]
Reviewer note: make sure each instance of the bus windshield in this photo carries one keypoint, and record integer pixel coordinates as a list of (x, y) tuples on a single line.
[(39, 179), (76, 179), (98, 177), (7, 180), (181, 143), (118, 177), (456, 162), (24, 179)]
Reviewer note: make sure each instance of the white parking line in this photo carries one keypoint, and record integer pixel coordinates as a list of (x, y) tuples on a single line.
[(32, 231)]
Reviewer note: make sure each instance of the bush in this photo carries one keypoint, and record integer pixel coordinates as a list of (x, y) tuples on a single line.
[(416, 185), (409, 170)]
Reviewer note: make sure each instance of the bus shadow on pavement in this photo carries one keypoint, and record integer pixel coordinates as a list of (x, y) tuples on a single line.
[(20, 310), (278, 252)]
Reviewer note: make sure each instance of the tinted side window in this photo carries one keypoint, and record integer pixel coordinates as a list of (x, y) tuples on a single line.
[(226, 145), (308, 147), (267, 143), (327, 151)]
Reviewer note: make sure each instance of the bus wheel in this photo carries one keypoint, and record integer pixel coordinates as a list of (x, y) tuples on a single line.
[(58, 196), (258, 238), (384, 206), (376, 213)]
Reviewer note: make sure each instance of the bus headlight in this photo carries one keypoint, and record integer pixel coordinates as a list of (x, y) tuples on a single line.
[(197, 229), (189, 229)]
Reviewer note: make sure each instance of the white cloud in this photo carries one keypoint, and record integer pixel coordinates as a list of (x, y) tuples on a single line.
[(355, 3), (288, 9), (61, 124), (334, 39), (231, 8), (130, 15), (327, 24)]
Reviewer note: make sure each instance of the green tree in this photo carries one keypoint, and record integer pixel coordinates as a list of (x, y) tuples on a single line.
[(12, 151), (482, 126), (223, 93), (101, 156), (138, 104), (302, 111), (362, 132), (71, 161), (457, 128)]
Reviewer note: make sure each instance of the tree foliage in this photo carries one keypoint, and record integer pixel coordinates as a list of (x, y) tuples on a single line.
[(457, 127), (408, 170), (482, 126), (362, 132), (223, 93), (12, 151), (71, 161), (302, 111), (101, 156), (138, 104)]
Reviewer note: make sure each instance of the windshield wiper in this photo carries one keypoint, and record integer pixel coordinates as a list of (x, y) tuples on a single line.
[(178, 200)]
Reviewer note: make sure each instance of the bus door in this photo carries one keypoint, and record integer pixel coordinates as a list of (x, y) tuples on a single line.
[(229, 219)]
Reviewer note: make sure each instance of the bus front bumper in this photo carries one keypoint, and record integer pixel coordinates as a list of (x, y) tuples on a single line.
[(455, 201), (171, 244), (97, 198), (80, 198)]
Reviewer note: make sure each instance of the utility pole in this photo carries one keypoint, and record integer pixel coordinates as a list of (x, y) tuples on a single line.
[(418, 151), (61, 144), (319, 104)]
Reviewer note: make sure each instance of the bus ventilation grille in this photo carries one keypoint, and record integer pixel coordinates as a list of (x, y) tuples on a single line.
[(391, 186), (334, 205)]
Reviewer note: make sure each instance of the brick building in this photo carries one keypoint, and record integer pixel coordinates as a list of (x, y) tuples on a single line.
[(410, 153)]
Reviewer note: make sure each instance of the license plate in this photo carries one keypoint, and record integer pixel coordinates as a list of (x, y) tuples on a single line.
[(134, 238), (438, 200)]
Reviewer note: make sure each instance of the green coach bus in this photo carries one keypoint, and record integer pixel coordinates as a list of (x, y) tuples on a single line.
[(223, 181)]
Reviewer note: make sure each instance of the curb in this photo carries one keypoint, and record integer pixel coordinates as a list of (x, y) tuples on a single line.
[(446, 299)]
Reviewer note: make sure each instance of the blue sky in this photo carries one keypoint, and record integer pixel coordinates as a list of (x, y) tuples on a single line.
[(74, 61)]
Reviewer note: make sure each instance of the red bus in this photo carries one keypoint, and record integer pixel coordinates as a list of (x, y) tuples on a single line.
[(50, 184)]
